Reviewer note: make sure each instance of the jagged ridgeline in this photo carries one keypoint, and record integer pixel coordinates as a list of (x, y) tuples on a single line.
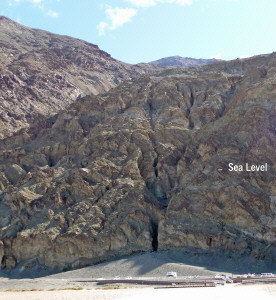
[(136, 170)]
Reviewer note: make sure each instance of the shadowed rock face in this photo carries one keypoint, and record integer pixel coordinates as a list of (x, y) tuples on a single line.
[(42, 73), (136, 169)]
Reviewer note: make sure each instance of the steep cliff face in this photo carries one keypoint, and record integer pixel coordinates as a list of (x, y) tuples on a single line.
[(42, 73), (136, 169)]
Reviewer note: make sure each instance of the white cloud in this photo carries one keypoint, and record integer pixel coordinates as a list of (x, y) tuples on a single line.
[(245, 56), (142, 3), (218, 56), (117, 16), (101, 27), (148, 3), (180, 2), (38, 4), (13, 2), (52, 14)]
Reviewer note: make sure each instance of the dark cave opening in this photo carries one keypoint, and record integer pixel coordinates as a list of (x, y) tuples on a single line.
[(50, 162), (154, 235), (155, 167), (209, 241), (192, 100)]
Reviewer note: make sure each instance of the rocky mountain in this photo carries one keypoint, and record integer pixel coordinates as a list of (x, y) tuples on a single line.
[(145, 167), (42, 73), (179, 61)]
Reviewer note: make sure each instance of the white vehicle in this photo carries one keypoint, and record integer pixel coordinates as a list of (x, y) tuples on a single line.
[(267, 275), (128, 277), (172, 274), (116, 278)]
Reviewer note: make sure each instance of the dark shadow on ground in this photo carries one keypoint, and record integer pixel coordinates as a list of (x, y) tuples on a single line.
[(186, 262), (194, 261)]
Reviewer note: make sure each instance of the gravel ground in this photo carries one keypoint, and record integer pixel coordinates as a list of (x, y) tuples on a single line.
[(157, 264), (229, 292), (139, 265)]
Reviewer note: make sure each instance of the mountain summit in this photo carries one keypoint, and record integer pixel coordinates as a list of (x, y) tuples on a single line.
[(178, 61), (42, 73)]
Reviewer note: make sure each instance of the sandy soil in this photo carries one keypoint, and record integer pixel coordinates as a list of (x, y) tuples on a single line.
[(229, 292)]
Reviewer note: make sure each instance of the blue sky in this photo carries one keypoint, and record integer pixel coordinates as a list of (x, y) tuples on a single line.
[(144, 30)]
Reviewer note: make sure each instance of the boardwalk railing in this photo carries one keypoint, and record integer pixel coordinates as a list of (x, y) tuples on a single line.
[(259, 280)]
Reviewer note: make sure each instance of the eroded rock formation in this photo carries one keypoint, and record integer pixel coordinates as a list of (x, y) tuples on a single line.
[(136, 169)]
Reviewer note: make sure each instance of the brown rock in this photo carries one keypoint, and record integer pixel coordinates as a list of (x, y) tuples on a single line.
[(42, 73), (136, 169), (8, 262), (2, 252)]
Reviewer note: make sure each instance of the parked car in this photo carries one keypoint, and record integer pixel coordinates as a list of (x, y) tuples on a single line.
[(267, 275), (172, 274)]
